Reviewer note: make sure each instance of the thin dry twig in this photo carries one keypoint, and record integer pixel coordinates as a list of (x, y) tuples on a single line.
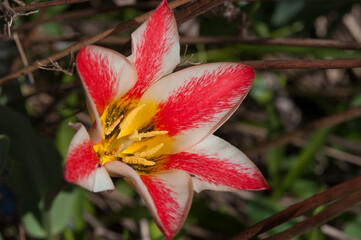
[(331, 194), (23, 56), (86, 12), (295, 42), (331, 211), (317, 124), (30, 35), (54, 66), (183, 15), (306, 63), (53, 3)]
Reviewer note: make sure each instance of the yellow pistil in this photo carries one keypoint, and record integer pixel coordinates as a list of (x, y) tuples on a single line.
[(138, 160), (150, 152)]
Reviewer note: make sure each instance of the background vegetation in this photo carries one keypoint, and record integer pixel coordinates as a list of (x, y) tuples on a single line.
[(300, 126)]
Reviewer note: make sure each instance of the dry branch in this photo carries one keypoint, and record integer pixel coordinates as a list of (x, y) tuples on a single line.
[(297, 42), (294, 42), (46, 4), (331, 194), (315, 125), (306, 64), (87, 12), (331, 211), (183, 15)]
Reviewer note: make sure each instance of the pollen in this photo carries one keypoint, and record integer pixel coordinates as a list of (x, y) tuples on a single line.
[(150, 152), (138, 161), (129, 118), (115, 151), (139, 136), (111, 128)]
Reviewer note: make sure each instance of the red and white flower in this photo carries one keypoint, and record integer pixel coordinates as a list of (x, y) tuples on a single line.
[(154, 129)]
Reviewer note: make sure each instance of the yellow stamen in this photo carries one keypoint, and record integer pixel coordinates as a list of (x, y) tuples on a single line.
[(110, 128), (138, 160), (150, 152), (115, 151), (138, 136), (129, 118)]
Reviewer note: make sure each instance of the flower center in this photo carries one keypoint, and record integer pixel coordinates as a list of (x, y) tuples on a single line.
[(130, 136)]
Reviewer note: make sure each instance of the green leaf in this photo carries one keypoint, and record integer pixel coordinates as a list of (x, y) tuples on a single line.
[(285, 11), (32, 225), (64, 134), (4, 151), (303, 160), (35, 166), (353, 228), (155, 233), (61, 210)]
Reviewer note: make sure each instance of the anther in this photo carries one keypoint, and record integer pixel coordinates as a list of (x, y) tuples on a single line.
[(110, 128), (115, 151), (138, 136), (137, 160), (149, 152), (129, 118)]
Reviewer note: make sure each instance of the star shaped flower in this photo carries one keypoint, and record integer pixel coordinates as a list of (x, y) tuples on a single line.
[(154, 128)]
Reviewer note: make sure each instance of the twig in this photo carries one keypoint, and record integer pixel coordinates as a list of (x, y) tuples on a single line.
[(325, 215), (295, 42), (54, 66), (317, 124), (31, 34), (46, 4), (183, 15), (308, 64), (23, 56), (300, 208), (87, 12)]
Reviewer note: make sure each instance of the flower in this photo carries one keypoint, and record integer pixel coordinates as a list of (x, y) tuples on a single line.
[(154, 128)]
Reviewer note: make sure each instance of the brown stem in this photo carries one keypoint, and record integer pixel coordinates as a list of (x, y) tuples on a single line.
[(307, 64), (300, 208), (318, 124), (29, 38), (333, 210), (46, 4), (87, 12), (296, 42), (183, 15)]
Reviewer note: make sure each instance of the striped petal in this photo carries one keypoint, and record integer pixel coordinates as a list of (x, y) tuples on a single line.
[(82, 165), (214, 164), (105, 75), (194, 102), (155, 48), (168, 195)]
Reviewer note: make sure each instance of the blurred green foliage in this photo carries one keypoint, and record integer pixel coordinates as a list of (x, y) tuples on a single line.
[(31, 165)]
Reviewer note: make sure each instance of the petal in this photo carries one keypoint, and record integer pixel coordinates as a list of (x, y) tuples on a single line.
[(105, 75), (214, 164), (155, 48), (194, 102), (82, 165), (168, 195)]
